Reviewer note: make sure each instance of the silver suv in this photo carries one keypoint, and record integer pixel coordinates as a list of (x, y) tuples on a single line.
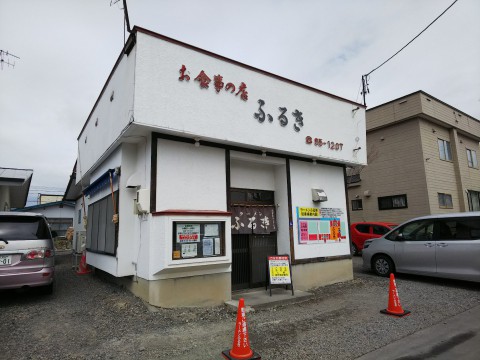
[(27, 253), (438, 245)]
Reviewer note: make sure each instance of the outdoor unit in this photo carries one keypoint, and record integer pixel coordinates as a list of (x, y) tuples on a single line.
[(142, 201), (80, 240)]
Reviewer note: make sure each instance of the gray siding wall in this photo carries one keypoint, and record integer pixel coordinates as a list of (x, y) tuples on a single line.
[(395, 167)]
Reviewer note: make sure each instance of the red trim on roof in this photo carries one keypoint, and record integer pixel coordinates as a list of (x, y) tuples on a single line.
[(192, 212)]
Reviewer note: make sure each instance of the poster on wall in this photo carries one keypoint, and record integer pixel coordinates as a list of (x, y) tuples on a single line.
[(321, 226), (188, 233)]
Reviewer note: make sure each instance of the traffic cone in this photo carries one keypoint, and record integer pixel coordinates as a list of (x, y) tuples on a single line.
[(394, 307), (83, 267), (241, 345)]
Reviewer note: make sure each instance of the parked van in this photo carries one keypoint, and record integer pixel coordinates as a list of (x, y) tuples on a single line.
[(445, 245), (27, 254)]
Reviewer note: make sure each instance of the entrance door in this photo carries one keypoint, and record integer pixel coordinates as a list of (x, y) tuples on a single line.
[(252, 242)]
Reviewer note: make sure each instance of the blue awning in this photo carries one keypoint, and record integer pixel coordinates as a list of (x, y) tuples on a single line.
[(99, 184)]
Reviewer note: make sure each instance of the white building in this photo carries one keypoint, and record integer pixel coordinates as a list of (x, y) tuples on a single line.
[(210, 166)]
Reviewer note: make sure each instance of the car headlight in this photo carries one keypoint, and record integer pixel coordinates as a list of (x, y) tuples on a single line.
[(367, 244)]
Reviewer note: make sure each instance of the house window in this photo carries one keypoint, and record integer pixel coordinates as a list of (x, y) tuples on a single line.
[(357, 205), (473, 200), (102, 232), (472, 158), (79, 221), (392, 202), (198, 239), (444, 149), (445, 201)]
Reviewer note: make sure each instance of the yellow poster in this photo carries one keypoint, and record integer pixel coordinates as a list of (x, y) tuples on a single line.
[(308, 212)]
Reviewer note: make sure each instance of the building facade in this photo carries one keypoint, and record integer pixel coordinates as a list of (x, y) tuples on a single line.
[(193, 168), (422, 159)]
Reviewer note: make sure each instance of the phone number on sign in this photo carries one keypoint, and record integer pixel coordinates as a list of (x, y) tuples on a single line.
[(332, 145)]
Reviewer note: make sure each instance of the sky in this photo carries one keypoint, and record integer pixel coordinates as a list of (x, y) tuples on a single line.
[(66, 50)]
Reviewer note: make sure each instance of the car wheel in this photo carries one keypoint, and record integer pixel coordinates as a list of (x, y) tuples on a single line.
[(354, 249), (382, 265)]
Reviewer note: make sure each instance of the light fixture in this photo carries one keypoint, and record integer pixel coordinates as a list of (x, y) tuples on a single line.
[(319, 195), (314, 162), (197, 142), (264, 153)]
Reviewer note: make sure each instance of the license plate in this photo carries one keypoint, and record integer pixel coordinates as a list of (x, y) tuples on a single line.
[(5, 260)]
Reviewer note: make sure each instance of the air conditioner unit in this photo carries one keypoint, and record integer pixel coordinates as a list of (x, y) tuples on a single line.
[(142, 202), (80, 241)]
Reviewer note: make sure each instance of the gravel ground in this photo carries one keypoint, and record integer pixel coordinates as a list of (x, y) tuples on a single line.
[(89, 318)]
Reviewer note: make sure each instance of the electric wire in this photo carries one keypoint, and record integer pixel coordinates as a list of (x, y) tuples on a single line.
[(391, 57)]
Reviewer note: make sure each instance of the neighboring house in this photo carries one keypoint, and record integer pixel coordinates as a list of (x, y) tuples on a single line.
[(59, 214), (73, 193), (422, 159), (48, 198), (14, 187), (193, 168)]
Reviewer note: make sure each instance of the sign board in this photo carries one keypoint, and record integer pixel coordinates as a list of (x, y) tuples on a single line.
[(279, 272)]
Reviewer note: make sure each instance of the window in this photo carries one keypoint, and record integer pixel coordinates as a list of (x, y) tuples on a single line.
[(79, 221), (420, 230), (102, 232), (473, 200), (457, 229), (199, 239), (380, 230), (472, 158), (357, 205), (392, 202), (363, 228), (445, 201), (444, 149)]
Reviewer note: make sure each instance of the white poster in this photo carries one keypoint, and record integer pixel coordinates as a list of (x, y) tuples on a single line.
[(188, 233), (189, 250), (217, 246), (207, 247), (211, 229)]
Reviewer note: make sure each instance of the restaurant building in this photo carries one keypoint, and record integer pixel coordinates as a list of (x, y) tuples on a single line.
[(192, 168)]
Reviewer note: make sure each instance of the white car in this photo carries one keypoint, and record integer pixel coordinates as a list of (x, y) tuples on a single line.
[(446, 245)]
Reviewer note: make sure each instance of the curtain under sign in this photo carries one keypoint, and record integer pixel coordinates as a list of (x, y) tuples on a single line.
[(253, 219)]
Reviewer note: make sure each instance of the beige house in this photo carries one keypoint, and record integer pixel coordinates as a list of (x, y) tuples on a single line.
[(422, 159)]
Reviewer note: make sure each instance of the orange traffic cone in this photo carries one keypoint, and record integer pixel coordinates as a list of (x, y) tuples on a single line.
[(394, 307), (241, 344), (83, 267)]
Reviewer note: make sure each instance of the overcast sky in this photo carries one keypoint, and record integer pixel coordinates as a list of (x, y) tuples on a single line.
[(68, 48)]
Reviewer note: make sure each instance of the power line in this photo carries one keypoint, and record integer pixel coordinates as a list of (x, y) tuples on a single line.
[(364, 77)]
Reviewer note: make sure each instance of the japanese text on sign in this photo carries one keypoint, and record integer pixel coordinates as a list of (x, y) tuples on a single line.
[(204, 82), (279, 270), (282, 118), (188, 233), (308, 212)]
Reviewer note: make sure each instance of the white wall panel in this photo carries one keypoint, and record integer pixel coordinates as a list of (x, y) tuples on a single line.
[(190, 177), (304, 177), (184, 108)]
